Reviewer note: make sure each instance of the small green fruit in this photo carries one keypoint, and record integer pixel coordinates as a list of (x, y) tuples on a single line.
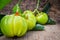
[(42, 18), (30, 19)]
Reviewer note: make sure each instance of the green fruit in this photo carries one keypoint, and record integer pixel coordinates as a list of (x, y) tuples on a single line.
[(38, 27), (30, 19), (42, 18), (13, 25)]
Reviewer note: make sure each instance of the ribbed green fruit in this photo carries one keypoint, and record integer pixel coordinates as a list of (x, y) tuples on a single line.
[(12, 25), (30, 19), (42, 18)]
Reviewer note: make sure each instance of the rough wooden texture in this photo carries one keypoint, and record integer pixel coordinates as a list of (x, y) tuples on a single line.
[(55, 10), (52, 32), (54, 13), (25, 5)]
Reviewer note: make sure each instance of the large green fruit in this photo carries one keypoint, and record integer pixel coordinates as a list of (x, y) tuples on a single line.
[(42, 18), (13, 25), (30, 18)]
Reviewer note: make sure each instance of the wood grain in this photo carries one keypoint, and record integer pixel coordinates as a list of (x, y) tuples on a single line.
[(52, 32)]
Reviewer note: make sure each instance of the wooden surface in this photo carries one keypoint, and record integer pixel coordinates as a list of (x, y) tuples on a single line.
[(52, 32)]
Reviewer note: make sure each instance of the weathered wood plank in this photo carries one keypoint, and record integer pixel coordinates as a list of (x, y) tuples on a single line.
[(52, 32)]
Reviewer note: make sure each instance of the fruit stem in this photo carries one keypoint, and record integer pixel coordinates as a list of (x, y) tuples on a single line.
[(19, 2), (16, 14), (36, 6), (17, 8), (37, 11), (46, 4)]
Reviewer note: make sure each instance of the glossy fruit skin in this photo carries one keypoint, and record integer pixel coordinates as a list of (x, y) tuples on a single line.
[(42, 18), (12, 25), (30, 19)]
